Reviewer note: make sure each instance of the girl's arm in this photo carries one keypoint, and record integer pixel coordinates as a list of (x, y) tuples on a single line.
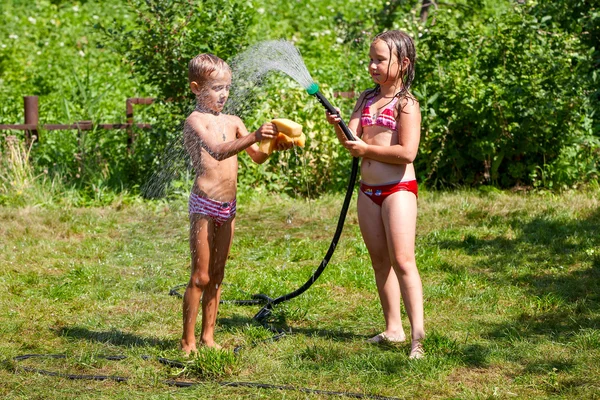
[(409, 135), (353, 123)]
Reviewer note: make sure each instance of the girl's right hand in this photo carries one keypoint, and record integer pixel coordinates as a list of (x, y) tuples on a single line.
[(333, 119)]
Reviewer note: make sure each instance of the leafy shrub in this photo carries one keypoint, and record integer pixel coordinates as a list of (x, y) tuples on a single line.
[(503, 103), (165, 36)]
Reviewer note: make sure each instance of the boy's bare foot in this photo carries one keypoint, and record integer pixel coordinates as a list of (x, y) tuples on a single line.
[(416, 350), (212, 345), (384, 337), (187, 348)]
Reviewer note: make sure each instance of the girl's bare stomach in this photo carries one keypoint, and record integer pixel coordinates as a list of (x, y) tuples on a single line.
[(378, 173)]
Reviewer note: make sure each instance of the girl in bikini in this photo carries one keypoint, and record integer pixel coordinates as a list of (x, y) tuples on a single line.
[(386, 122)]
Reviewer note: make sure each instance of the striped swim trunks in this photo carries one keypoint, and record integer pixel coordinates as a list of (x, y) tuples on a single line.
[(219, 212)]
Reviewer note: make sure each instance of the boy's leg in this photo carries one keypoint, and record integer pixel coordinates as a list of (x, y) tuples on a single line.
[(221, 245), (399, 213), (201, 233), (373, 232)]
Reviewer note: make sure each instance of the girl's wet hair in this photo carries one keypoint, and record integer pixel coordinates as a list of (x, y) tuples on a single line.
[(401, 44), (201, 66)]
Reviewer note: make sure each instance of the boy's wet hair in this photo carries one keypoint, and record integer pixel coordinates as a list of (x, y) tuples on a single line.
[(201, 66), (403, 46)]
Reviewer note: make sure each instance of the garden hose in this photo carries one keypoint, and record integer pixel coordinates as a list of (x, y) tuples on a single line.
[(256, 299), (266, 310), (181, 384), (313, 90)]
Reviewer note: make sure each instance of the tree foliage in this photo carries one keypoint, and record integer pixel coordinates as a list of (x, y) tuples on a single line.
[(508, 89), (506, 103)]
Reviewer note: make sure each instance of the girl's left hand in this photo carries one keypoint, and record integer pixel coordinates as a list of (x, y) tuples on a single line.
[(357, 147)]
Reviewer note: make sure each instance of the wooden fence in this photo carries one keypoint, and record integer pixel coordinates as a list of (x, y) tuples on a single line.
[(32, 126)]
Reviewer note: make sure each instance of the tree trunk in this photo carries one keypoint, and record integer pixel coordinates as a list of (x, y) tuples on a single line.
[(425, 4)]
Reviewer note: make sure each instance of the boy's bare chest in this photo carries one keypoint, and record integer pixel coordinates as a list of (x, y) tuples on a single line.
[(222, 132)]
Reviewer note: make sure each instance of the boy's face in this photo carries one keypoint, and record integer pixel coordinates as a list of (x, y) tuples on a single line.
[(215, 92)]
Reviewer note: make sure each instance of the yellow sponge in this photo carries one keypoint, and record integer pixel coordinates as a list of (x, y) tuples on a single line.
[(296, 141), (289, 132), (287, 126)]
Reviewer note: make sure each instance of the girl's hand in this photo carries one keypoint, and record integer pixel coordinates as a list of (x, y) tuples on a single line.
[(333, 119), (357, 148), (267, 131)]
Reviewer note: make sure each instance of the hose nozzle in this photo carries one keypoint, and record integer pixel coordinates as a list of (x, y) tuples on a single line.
[(313, 90)]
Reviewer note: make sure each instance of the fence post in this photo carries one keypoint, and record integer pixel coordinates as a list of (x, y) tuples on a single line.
[(31, 106), (129, 115)]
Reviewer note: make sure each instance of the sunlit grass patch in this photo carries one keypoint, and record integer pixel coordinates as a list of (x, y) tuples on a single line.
[(504, 304), (210, 363)]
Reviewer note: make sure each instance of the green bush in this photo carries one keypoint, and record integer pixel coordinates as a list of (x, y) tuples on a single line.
[(158, 46), (509, 93), (505, 103)]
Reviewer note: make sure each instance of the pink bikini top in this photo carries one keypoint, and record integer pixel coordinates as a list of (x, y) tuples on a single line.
[(385, 118)]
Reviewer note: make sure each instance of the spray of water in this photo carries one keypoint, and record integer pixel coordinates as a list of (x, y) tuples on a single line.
[(271, 55), (249, 69)]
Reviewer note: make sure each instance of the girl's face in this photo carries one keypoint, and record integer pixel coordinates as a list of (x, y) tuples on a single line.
[(215, 91), (384, 67)]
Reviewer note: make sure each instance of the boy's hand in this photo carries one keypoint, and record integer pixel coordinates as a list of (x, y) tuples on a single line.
[(267, 131), (333, 119)]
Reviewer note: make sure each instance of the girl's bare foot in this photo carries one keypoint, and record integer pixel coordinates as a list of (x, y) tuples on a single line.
[(416, 350), (386, 337)]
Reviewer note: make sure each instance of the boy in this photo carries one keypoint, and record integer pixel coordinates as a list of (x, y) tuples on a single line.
[(213, 141)]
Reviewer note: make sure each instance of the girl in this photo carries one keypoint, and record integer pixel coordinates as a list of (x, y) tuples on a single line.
[(386, 122)]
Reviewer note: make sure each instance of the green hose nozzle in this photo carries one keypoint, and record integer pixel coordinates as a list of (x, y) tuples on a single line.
[(312, 89)]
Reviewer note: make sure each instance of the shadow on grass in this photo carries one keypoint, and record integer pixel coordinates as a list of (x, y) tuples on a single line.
[(115, 337), (278, 321), (552, 365), (548, 260), (336, 335)]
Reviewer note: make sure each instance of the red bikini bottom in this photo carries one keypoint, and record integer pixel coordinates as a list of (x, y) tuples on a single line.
[(380, 192)]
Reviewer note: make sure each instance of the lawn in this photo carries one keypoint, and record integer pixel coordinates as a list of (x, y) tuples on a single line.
[(511, 283)]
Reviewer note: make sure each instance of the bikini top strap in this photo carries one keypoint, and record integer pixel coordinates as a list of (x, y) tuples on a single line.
[(392, 103), (370, 100)]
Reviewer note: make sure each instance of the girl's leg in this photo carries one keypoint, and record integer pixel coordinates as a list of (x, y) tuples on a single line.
[(201, 234), (399, 212), (212, 293), (373, 232)]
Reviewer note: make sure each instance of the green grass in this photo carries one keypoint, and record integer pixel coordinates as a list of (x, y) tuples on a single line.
[(511, 282)]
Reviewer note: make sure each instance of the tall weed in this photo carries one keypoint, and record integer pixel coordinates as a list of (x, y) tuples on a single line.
[(17, 173)]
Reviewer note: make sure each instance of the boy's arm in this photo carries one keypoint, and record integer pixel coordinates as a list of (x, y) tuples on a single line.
[(222, 150), (255, 154)]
